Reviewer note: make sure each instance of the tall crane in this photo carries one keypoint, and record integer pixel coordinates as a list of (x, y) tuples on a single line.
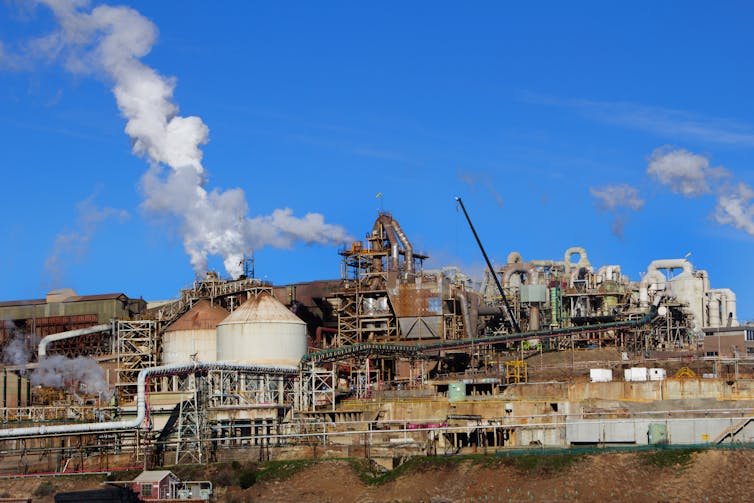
[(509, 311)]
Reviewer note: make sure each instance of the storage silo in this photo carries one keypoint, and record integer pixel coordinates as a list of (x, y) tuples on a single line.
[(262, 331), (193, 335)]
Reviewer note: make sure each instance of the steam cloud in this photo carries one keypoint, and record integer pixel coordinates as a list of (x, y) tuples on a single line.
[(55, 371), (683, 172), (111, 41)]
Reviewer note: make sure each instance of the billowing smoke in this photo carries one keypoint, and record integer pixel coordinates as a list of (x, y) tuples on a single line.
[(57, 371), (684, 172), (617, 199), (18, 351), (111, 41), (735, 207)]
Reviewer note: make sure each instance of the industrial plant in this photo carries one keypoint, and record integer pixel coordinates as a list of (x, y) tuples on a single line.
[(389, 361)]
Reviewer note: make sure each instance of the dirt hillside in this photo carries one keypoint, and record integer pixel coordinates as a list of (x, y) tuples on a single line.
[(667, 476)]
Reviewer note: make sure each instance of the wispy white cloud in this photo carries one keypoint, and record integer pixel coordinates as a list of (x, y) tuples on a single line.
[(478, 178), (735, 207), (661, 121), (684, 172), (71, 245), (612, 197), (617, 199)]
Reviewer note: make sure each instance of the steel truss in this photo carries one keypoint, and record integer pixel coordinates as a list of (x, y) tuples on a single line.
[(137, 346)]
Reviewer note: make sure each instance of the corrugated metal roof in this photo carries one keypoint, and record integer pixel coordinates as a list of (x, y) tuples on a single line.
[(203, 315), (153, 475), (263, 308), (77, 298)]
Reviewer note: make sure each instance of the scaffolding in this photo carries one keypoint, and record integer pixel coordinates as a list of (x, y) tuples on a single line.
[(137, 347), (192, 421)]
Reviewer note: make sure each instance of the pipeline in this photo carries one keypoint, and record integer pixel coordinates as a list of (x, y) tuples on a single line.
[(141, 400), (416, 351), (42, 350)]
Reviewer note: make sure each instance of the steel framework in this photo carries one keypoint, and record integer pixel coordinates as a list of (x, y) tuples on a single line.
[(137, 348)]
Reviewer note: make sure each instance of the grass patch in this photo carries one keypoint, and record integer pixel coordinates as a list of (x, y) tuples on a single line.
[(281, 470), (665, 458), (542, 464)]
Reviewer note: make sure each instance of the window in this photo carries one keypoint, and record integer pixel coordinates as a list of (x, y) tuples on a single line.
[(750, 334), (146, 490), (711, 353)]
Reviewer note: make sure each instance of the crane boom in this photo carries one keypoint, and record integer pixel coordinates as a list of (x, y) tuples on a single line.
[(509, 311)]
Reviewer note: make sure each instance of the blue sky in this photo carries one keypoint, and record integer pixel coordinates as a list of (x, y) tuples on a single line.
[(528, 111)]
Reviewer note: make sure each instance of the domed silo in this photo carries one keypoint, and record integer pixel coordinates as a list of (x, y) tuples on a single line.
[(262, 331), (194, 333)]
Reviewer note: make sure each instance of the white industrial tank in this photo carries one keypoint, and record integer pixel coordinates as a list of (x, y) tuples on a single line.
[(262, 331), (193, 336)]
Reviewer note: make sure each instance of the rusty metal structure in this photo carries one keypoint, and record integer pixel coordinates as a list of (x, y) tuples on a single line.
[(386, 328)]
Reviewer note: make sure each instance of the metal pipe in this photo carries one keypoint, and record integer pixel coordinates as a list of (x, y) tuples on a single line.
[(470, 331), (407, 248), (511, 318), (141, 400), (42, 349)]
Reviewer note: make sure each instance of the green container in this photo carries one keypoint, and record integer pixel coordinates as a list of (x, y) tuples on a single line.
[(658, 433), (456, 391)]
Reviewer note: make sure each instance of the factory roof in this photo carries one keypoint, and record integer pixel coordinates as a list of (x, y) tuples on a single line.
[(203, 315), (153, 475), (71, 298), (262, 308)]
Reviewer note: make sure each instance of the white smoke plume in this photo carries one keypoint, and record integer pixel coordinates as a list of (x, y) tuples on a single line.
[(110, 41), (684, 172), (58, 371), (72, 245), (735, 207), (17, 352)]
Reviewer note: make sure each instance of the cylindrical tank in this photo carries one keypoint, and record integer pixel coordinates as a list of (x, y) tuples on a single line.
[(262, 331), (193, 336)]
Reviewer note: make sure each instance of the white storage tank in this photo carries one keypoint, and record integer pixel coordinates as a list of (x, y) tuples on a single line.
[(193, 336), (262, 331), (600, 375)]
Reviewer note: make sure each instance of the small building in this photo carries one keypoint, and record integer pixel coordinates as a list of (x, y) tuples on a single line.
[(729, 342), (155, 484)]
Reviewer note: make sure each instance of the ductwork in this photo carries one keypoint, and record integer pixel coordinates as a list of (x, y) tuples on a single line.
[(727, 303), (514, 258), (395, 235), (42, 349), (141, 401), (470, 330), (519, 268), (652, 278), (679, 263), (407, 248), (583, 260)]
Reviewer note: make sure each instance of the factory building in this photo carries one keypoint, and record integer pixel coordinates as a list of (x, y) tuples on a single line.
[(390, 359)]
